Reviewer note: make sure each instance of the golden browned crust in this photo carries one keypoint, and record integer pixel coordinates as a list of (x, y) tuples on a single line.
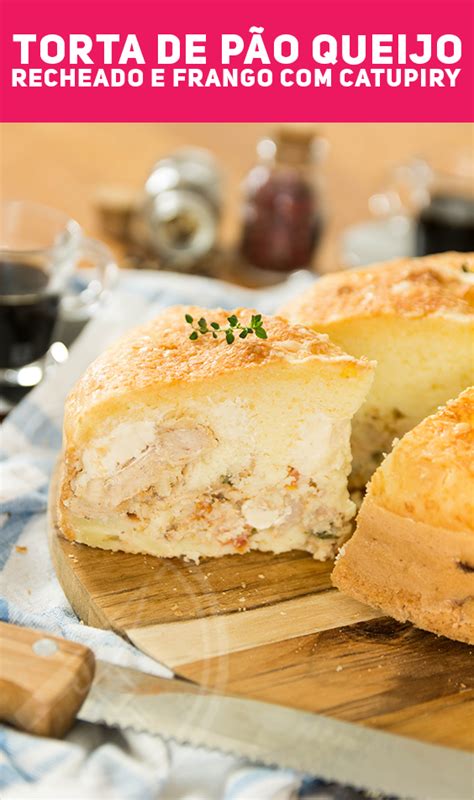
[(161, 353), (65, 471), (411, 287), (429, 475), (411, 570)]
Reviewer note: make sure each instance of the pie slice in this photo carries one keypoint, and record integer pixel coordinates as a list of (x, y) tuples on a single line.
[(412, 554), (199, 447), (415, 318)]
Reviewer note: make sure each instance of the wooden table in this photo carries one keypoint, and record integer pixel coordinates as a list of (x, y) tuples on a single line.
[(63, 164)]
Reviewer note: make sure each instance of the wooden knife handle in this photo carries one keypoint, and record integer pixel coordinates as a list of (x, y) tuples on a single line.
[(43, 680)]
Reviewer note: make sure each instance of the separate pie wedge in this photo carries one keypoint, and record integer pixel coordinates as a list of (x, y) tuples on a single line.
[(412, 554), (180, 447), (415, 318)]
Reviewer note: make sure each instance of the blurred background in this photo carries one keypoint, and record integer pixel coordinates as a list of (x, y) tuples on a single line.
[(69, 166), (252, 204)]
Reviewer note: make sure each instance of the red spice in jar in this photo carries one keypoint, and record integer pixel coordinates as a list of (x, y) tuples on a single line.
[(282, 217)]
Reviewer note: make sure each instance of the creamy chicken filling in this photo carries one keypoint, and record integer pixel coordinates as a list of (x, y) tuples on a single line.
[(149, 480), (158, 466), (373, 434)]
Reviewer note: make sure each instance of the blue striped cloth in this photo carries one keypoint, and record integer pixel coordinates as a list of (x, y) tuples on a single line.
[(93, 761)]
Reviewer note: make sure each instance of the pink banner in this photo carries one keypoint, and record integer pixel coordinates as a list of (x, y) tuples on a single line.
[(223, 62)]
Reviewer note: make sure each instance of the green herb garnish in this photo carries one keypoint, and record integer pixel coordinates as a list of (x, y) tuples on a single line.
[(326, 535), (322, 534), (201, 327)]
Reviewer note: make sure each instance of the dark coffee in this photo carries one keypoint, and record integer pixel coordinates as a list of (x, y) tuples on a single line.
[(28, 313), (447, 223)]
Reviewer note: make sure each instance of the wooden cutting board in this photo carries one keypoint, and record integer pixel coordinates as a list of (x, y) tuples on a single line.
[(272, 628)]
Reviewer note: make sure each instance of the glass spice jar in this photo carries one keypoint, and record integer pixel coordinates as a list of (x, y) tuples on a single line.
[(282, 213), (178, 218)]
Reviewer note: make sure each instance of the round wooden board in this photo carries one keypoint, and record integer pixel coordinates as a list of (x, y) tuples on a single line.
[(272, 627)]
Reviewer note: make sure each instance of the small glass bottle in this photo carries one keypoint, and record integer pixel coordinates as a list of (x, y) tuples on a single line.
[(282, 214)]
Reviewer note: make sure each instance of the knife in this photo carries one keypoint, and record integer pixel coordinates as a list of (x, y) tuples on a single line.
[(47, 682)]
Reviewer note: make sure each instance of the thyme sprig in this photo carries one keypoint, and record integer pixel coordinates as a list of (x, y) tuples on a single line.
[(201, 327)]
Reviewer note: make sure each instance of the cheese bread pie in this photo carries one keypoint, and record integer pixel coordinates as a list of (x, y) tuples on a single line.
[(199, 447), (412, 554)]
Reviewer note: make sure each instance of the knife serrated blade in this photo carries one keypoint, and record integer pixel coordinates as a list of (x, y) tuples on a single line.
[(276, 735)]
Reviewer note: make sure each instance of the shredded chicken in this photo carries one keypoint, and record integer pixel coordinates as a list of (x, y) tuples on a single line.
[(159, 464), (182, 482)]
